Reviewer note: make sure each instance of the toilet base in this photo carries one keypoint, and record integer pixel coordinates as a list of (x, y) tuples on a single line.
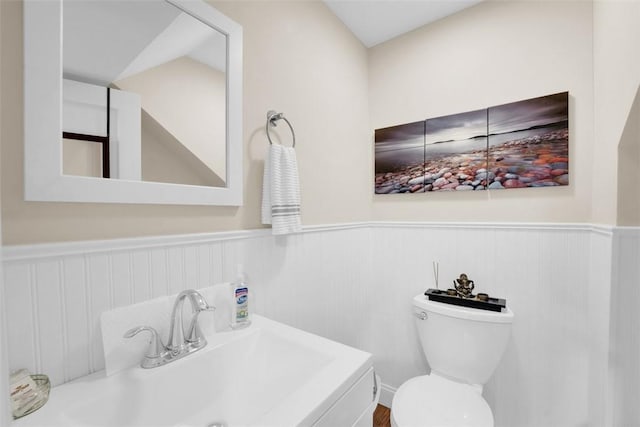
[(432, 400)]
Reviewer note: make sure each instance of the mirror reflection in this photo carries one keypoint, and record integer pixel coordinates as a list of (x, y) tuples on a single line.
[(144, 93)]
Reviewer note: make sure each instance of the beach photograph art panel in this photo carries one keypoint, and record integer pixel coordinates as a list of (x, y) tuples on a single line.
[(529, 143), (399, 159), (456, 152)]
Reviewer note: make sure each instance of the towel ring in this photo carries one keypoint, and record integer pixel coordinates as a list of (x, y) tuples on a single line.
[(272, 118)]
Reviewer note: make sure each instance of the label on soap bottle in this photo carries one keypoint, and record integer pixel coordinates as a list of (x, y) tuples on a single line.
[(242, 304)]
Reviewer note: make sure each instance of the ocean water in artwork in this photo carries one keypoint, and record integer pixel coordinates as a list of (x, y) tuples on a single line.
[(399, 158), (393, 156)]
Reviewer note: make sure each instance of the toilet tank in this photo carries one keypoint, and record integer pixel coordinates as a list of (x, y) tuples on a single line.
[(462, 343)]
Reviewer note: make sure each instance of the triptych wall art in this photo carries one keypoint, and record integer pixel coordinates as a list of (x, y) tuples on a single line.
[(517, 145)]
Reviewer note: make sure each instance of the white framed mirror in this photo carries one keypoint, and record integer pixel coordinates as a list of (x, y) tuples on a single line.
[(63, 96)]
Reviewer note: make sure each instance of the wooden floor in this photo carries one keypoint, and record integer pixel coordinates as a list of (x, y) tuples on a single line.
[(382, 417)]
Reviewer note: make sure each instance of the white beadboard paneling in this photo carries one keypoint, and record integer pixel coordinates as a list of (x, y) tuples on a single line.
[(516, 261), (59, 296), (600, 287), (52, 334), (625, 326), (353, 283), (402, 259), (204, 264), (76, 316), (262, 259), (100, 298), (20, 305), (175, 270), (159, 272), (141, 276), (209, 262), (548, 348), (280, 270), (191, 278), (216, 262), (120, 279), (535, 270)]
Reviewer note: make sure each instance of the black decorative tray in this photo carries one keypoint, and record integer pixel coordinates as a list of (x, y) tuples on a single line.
[(492, 304)]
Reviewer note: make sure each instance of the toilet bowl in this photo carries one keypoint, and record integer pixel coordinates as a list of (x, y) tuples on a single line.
[(431, 400), (463, 347)]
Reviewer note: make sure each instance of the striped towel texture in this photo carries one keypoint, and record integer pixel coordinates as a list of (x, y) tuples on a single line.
[(281, 191)]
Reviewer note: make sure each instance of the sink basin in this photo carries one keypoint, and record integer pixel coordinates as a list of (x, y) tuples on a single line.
[(265, 374)]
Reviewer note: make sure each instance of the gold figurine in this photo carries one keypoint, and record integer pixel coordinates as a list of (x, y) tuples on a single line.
[(464, 286)]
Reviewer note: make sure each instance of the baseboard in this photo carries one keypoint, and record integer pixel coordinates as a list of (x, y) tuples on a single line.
[(386, 395)]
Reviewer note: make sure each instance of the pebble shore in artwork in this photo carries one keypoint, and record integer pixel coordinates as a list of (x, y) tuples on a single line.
[(536, 161)]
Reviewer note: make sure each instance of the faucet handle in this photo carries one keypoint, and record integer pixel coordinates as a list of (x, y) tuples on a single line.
[(198, 303), (156, 350), (194, 334)]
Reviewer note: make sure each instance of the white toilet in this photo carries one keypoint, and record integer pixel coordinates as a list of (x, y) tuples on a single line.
[(463, 347)]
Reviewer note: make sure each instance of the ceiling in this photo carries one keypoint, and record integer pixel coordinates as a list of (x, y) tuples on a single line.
[(376, 21), (108, 40), (105, 41)]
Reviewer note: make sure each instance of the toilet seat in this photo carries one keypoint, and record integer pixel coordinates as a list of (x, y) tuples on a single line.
[(431, 400)]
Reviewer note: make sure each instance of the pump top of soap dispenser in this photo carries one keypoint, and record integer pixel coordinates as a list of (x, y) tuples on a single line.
[(240, 276)]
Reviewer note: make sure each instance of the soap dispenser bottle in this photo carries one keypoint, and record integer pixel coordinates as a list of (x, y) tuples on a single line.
[(240, 310)]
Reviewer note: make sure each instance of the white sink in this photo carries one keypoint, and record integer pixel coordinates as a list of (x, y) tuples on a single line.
[(268, 374)]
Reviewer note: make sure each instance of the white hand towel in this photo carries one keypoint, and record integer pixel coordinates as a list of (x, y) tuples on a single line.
[(281, 191)]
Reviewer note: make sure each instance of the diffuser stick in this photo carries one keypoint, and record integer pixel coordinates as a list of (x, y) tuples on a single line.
[(435, 272)]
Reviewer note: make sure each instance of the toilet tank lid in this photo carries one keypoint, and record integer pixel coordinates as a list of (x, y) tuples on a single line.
[(422, 302)]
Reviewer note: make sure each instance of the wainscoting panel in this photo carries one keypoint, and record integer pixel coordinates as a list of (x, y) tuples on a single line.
[(57, 296), (316, 281), (542, 273), (99, 299), (625, 327), (50, 325), (76, 314), (351, 283), (599, 292), (141, 274), (22, 339), (543, 378)]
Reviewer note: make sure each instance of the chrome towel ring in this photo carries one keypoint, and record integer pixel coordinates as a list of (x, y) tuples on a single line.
[(272, 118)]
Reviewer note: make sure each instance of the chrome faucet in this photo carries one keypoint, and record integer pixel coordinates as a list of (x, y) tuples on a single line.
[(179, 343)]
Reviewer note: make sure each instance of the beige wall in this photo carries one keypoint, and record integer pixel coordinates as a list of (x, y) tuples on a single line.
[(298, 58), (5, 413), (493, 53), (165, 159), (191, 108), (616, 83), (81, 158), (628, 213), (301, 60)]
